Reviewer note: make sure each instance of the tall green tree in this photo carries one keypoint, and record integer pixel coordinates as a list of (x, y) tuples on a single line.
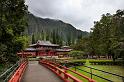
[(107, 33), (106, 38), (33, 39), (12, 24)]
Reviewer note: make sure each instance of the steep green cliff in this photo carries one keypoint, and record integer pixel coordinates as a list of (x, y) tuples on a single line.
[(54, 30)]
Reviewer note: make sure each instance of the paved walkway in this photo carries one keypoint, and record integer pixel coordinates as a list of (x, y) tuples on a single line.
[(38, 73)]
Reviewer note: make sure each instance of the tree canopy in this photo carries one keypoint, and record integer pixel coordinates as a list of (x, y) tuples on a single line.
[(12, 24), (107, 36)]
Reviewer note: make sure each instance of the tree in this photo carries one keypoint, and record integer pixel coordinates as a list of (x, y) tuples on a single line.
[(54, 37), (12, 24), (76, 54), (107, 33), (33, 39)]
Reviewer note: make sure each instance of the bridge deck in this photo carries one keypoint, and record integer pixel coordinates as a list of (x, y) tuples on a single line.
[(38, 73)]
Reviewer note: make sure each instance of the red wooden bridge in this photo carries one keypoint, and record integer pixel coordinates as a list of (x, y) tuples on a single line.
[(44, 71)]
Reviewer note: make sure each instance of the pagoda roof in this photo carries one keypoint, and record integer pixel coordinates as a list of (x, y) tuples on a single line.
[(44, 43), (65, 46), (30, 49), (63, 50)]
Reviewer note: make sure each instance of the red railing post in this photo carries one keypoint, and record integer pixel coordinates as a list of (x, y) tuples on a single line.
[(65, 76), (61, 71), (18, 74), (91, 80)]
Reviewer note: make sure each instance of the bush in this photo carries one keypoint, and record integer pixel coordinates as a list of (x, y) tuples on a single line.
[(74, 63), (105, 62), (92, 62), (76, 54)]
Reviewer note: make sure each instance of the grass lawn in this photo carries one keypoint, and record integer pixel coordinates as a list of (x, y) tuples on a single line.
[(113, 69)]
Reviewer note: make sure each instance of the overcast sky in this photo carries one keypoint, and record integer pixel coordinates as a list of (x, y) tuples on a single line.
[(80, 13)]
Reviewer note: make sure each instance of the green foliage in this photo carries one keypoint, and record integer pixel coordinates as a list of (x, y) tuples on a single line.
[(12, 24), (76, 54), (20, 43), (33, 39), (106, 37), (107, 34), (3, 49), (54, 37), (105, 62), (55, 31), (82, 44)]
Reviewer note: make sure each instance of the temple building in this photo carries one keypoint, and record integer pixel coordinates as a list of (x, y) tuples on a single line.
[(45, 48), (63, 51)]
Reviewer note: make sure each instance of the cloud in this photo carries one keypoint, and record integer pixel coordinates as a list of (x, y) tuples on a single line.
[(79, 13)]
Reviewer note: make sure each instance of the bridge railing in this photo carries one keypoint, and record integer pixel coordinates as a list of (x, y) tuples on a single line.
[(5, 76), (19, 72), (121, 78), (58, 69), (61, 73), (83, 76)]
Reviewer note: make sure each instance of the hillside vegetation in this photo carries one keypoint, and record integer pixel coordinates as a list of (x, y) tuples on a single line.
[(54, 30)]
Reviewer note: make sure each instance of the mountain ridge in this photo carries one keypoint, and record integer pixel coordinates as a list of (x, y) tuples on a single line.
[(46, 28)]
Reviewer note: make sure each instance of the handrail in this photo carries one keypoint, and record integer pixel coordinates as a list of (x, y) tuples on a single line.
[(91, 68), (85, 77), (19, 72), (104, 71), (65, 68), (6, 75), (60, 72), (95, 75)]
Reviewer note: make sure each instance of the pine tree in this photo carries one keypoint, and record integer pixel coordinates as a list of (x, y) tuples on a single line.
[(54, 37), (33, 39)]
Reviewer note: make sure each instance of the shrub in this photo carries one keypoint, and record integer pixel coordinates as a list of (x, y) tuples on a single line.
[(105, 62), (76, 54), (74, 63)]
